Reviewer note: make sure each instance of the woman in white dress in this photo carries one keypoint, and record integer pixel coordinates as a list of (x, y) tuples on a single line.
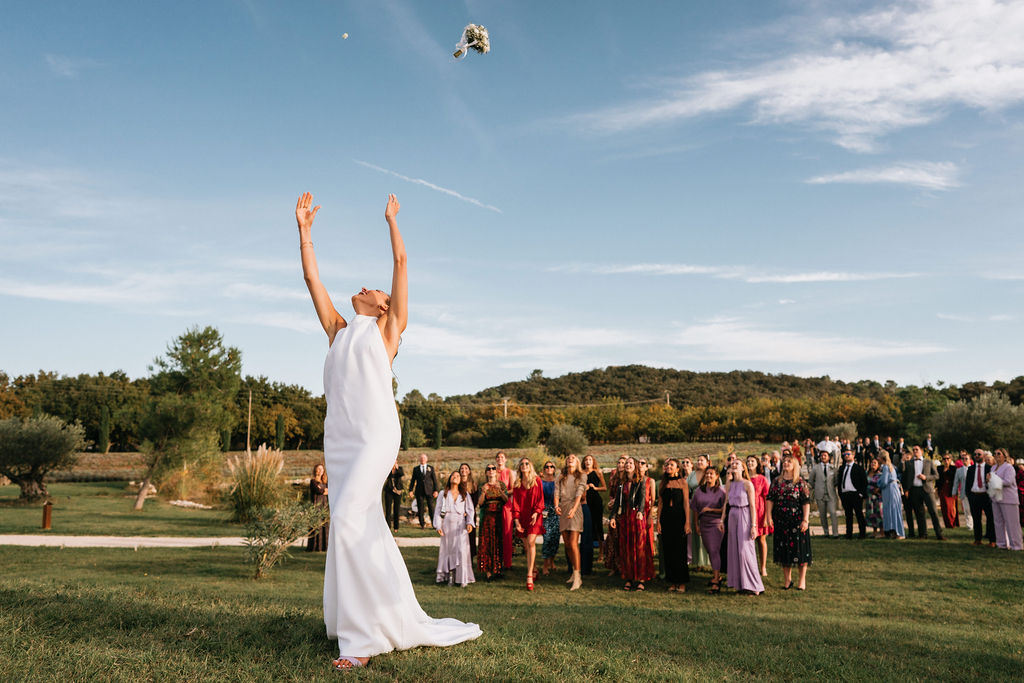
[(369, 603), (453, 518)]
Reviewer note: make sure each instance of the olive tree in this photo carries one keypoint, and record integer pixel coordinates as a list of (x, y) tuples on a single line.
[(30, 448)]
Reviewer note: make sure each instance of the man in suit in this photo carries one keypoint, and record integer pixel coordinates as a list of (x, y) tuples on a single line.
[(977, 498), (424, 486), (852, 485), (876, 446), (929, 445), (901, 445), (918, 480), (822, 481), (891, 447), (860, 451)]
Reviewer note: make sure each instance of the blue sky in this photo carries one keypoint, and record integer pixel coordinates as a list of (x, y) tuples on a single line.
[(811, 188)]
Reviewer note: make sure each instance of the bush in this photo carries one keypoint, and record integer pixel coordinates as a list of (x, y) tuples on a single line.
[(465, 438), (564, 439), (416, 437), (986, 421), (257, 484), (269, 535), (30, 448), (512, 432), (841, 430)]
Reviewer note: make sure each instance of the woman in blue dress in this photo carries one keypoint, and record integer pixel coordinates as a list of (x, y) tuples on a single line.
[(551, 527), (892, 499)]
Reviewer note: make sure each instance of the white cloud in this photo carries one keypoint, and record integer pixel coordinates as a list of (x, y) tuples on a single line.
[(929, 175), (736, 340), (786, 302), (1002, 318), (68, 67), (897, 66), (744, 273), (954, 317), (432, 186)]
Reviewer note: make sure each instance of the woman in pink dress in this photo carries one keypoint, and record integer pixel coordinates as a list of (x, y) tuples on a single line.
[(764, 525), (528, 514), (506, 477)]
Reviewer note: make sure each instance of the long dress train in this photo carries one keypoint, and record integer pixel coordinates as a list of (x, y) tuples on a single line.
[(369, 603)]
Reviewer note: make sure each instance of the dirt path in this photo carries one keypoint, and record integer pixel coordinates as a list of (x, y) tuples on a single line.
[(137, 542)]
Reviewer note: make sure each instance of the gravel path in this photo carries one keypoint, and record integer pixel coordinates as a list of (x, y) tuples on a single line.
[(137, 542)]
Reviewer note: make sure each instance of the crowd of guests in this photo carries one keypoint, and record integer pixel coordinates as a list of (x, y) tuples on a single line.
[(696, 515)]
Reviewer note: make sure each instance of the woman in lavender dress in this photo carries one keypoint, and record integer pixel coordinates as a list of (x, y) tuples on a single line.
[(741, 554), (708, 503)]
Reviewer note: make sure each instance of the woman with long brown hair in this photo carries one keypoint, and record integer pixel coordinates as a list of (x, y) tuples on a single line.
[(527, 513), (674, 525), (570, 487), (631, 511), (708, 504), (318, 496), (742, 571), (610, 547), (473, 491), (454, 518), (789, 507), (593, 514)]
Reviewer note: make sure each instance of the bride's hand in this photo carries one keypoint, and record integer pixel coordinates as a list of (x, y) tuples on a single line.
[(303, 215), (392, 209)]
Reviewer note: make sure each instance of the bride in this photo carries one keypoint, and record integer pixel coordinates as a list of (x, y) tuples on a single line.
[(369, 603)]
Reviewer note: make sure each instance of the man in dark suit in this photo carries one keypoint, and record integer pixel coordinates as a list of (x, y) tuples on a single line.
[(424, 486), (852, 485), (891, 447), (860, 451), (928, 445), (876, 446), (977, 498), (918, 480)]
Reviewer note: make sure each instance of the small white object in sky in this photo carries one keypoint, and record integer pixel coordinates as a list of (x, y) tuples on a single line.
[(344, 36), (473, 37)]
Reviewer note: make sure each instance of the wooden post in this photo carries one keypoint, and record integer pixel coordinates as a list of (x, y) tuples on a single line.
[(504, 403), (47, 514), (667, 401), (248, 425)]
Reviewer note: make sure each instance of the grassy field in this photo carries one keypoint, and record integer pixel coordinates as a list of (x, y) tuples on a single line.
[(874, 610), (105, 509)]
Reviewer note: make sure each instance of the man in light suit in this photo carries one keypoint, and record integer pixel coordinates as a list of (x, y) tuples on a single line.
[(852, 486), (977, 498), (424, 486), (918, 480), (822, 480)]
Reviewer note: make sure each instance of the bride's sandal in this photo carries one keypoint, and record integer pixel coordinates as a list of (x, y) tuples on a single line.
[(345, 663)]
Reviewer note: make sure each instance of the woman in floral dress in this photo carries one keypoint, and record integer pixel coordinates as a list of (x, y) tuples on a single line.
[(631, 510), (789, 506), (493, 496), (610, 547)]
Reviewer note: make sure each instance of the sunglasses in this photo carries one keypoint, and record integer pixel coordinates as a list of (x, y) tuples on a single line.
[(549, 467)]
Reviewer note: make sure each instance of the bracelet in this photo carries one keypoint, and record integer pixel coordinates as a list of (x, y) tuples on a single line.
[(305, 244)]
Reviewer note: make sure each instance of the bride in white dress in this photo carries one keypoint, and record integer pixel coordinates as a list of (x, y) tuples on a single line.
[(369, 603)]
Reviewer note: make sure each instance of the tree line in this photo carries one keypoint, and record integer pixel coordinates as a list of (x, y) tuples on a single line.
[(620, 405)]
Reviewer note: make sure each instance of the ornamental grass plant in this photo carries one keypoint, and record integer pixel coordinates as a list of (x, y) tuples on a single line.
[(256, 482)]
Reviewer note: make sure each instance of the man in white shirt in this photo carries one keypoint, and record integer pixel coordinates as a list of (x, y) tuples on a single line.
[(918, 480), (852, 484), (822, 480)]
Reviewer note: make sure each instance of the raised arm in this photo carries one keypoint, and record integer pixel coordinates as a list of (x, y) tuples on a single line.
[(398, 309), (329, 317)]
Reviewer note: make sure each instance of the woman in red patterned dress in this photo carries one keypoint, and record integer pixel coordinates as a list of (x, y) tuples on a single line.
[(631, 510), (764, 525)]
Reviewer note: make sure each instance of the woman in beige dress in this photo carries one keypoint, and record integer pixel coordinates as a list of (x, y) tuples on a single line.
[(570, 487)]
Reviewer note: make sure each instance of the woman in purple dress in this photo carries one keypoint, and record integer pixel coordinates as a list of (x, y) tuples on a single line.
[(708, 503), (741, 553)]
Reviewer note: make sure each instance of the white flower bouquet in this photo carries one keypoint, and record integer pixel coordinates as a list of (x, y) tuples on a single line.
[(475, 37)]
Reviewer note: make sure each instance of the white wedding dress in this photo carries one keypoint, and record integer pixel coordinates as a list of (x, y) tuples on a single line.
[(369, 603)]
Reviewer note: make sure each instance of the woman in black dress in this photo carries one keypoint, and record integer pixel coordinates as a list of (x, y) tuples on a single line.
[(393, 495), (789, 506), (674, 525), (473, 490), (318, 496), (595, 510)]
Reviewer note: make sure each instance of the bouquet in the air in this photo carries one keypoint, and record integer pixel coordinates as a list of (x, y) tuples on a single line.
[(475, 37)]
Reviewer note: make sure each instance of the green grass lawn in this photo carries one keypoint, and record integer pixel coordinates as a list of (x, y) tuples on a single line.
[(105, 509), (874, 610)]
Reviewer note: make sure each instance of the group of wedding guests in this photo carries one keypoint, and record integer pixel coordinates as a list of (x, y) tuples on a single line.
[(695, 515), (891, 496)]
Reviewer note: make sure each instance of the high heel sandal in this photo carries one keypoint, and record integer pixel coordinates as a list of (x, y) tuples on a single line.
[(716, 588), (529, 583)]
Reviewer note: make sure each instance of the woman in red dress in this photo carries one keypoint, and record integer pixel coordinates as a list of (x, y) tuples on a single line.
[(631, 510), (764, 525), (505, 476), (528, 513)]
